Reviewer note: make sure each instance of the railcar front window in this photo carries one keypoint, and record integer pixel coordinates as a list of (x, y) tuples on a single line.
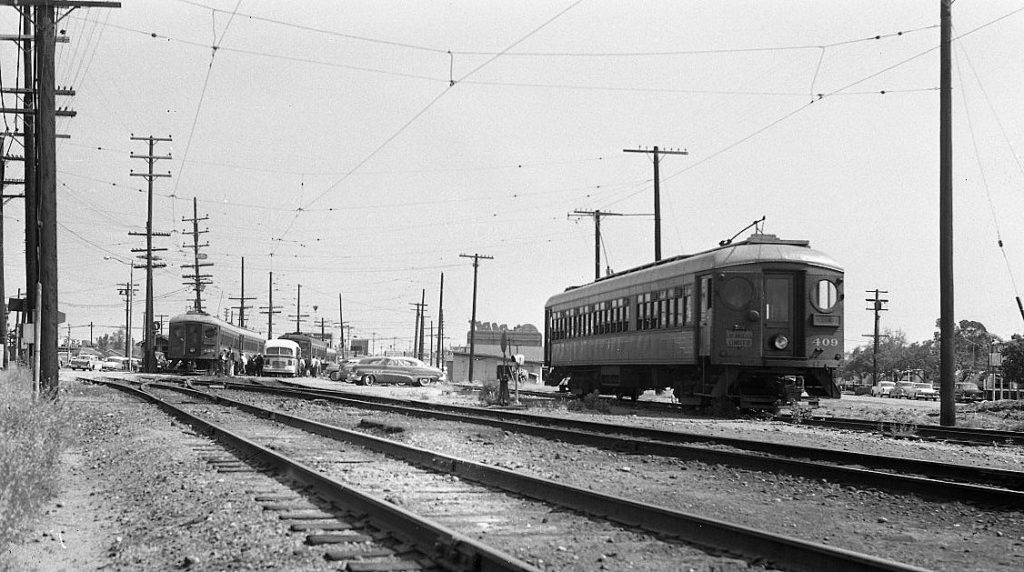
[(776, 295), (736, 292), (826, 295)]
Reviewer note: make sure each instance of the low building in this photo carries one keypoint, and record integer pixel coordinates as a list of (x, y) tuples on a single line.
[(522, 340)]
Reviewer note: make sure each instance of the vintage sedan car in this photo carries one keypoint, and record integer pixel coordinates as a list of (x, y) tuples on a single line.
[(346, 366), (967, 391), (85, 362), (901, 389), (395, 370), (882, 388), (922, 391), (115, 363)]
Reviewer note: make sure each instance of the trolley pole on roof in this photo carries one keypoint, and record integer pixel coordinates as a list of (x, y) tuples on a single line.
[(656, 152), (472, 322), (947, 355)]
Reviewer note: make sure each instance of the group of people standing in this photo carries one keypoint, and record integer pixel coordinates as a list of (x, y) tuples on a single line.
[(310, 367), (231, 363)]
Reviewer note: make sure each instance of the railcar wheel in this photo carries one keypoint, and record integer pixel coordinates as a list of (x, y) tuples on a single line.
[(368, 379)]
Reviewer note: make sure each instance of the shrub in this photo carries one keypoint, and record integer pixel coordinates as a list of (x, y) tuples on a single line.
[(32, 437), (590, 402)]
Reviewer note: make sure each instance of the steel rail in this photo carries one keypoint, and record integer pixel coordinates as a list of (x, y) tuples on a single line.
[(789, 553), (928, 431), (923, 431), (990, 486), (450, 549)]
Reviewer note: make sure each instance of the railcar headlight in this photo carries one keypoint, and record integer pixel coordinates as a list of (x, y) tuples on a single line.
[(780, 342)]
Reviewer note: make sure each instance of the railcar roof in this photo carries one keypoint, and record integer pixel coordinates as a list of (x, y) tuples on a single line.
[(758, 248), (280, 342), (214, 320)]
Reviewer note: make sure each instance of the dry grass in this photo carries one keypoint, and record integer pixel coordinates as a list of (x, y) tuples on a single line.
[(32, 437)]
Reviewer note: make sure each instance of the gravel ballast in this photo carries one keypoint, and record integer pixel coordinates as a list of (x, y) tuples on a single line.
[(138, 496)]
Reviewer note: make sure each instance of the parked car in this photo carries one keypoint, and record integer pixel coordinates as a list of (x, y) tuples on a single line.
[(346, 366), (901, 389), (967, 391), (882, 388), (922, 391), (85, 362), (115, 363), (394, 370)]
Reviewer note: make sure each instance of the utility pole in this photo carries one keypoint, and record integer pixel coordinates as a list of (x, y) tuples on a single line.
[(876, 307), (149, 359), (596, 214), (40, 131), (472, 322), (657, 191), (270, 309), (128, 290), (4, 358), (91, 343), (423, 319), (947, 353), (440, 325), (242, 299), (417, 335), (415, 327), (197, 281), (298, 311), (341, 326)]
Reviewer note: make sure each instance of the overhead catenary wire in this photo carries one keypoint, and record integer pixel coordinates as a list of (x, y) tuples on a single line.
[(984, 180)]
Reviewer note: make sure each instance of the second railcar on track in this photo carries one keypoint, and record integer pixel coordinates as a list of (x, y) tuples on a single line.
[(200, 338), (747, 323)]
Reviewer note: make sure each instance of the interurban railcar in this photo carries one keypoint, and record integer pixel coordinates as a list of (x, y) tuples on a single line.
[(311, 347), (746, 323), (200, 338)]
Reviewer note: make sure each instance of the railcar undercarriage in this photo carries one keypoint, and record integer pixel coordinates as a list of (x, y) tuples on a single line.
[(702, 386)]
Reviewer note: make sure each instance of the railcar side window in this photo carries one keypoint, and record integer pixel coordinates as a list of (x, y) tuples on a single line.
[(825, 295), (776, 296)]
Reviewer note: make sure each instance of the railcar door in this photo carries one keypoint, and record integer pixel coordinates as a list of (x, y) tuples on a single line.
[(737, 331), (704, 315), (780, 312)]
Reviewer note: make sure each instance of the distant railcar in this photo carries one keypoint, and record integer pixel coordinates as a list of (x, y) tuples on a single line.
[(749, 323), (311, 347), (196, 340)]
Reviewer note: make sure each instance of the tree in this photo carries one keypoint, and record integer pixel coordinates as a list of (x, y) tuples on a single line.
[(1013, 359), (972, 344)]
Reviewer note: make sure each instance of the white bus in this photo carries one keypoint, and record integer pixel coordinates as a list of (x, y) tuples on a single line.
[(281, 357)]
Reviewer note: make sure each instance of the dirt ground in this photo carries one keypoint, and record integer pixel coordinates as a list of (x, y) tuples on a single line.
[(135, 497)]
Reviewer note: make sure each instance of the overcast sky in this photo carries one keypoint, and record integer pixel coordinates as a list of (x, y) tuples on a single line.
[(358, 148)]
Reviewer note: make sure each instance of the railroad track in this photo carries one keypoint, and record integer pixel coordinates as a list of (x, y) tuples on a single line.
[(899, 429), (935, 432), (463, 495), (930, 479)]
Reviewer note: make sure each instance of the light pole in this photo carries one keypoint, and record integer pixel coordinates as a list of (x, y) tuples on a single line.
[(130, 296)]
